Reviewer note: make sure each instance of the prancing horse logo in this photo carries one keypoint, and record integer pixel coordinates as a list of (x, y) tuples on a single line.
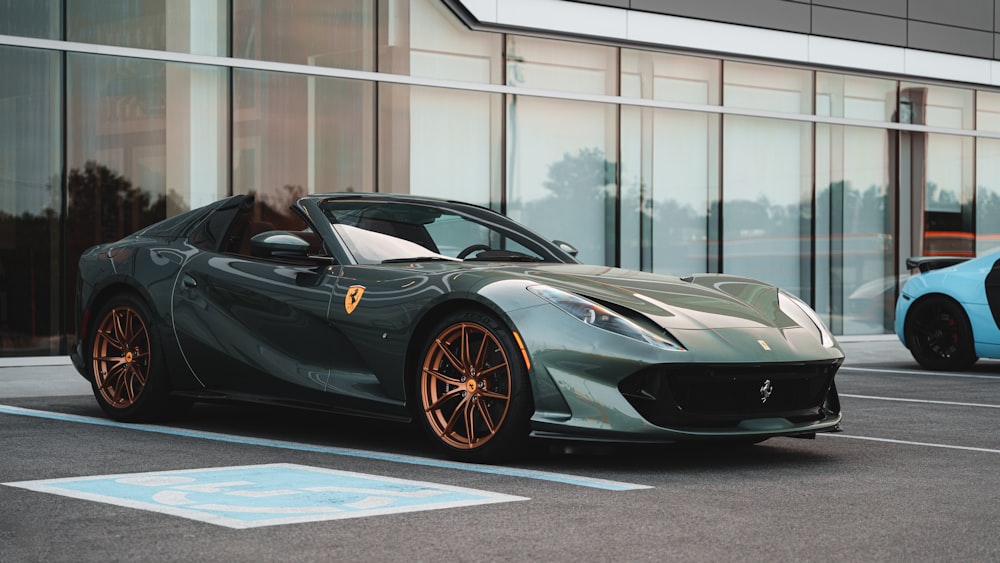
[(353, 297), (765, 391)]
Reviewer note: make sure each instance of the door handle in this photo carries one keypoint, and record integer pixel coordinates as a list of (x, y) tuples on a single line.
[(189, 282)]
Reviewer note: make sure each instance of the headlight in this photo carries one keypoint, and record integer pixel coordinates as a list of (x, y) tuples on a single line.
[(598, 316), (803, 315)]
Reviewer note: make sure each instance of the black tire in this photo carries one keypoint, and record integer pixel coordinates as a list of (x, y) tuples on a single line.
[(472, 394), (125, 359), (939, 335)]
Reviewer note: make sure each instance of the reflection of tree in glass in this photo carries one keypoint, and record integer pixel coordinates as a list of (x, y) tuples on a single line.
[(274, 207), (861, 212), (102, 206), (939, 199), (105, 206), (29, 283), (987, 212), (579, 207), (584, 174)]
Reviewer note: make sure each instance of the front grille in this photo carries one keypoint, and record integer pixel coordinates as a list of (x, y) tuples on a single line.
[(722, 395)]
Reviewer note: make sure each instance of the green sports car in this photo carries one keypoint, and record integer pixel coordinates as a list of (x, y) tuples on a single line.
[(403, 307)]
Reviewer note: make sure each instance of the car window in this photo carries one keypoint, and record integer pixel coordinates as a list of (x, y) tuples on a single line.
[(242, 224), (452, 234), (433, 232), (211, 234)]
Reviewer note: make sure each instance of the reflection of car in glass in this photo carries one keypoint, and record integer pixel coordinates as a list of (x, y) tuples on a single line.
[(874, 300), (402, 307), (948, 312)]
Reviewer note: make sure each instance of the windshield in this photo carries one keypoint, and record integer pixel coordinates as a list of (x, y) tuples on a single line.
[(371, 247), (386, 231)]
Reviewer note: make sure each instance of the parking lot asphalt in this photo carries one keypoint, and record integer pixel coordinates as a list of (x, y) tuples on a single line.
[(914, 477)]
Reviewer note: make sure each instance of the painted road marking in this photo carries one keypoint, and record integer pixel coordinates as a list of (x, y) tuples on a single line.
[(925, 401), (916, 372), (909, 443), (251, 496), (348, 452)]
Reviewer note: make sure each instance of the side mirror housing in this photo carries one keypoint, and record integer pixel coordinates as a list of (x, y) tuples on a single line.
[(566, 247), (278, 244)]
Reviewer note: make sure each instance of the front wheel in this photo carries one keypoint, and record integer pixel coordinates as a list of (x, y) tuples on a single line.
[(939, 336), (473, 392), (128, 375)]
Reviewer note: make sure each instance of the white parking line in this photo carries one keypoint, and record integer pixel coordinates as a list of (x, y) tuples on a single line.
[(951, 403), (918, 372), (349, 452), (909, 443)]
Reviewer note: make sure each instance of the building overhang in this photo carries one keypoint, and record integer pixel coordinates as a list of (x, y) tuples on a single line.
[(624, 26)]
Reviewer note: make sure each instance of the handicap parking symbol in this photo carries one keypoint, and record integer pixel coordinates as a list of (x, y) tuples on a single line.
[(265, 495)]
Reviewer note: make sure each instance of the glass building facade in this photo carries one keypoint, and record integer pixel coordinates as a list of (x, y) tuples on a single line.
[(117, 114)]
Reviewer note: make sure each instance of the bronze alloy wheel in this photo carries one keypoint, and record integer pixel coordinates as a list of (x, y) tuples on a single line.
[(121, 357), (465, 385)]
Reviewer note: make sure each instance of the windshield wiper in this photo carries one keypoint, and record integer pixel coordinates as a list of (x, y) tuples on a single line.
[(419, 259)]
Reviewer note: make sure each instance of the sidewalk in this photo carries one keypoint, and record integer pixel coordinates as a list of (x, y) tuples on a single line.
[(40, 377)]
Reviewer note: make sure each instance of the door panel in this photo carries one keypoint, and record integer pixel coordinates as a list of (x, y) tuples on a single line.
[(259, 326), (376, 307)]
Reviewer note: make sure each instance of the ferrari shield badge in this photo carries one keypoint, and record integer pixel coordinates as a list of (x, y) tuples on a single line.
[(353, 297)]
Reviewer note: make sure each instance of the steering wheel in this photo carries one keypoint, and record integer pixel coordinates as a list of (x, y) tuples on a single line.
[(470, 249)]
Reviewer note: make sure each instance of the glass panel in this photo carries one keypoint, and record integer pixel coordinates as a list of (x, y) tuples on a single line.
[(442, 143), (937, 106), (670, 179), (987, 195), (561, 154), (767, 88), (560, 65), (331, 33), (947, 195), (146, 141), (186, 26), (670, 163), (30, 203), (855, 97), (855, 279), (767, 181), (30, 18), (296, 134), (988, 111), (561, 172), (673, 78), (423, 38)]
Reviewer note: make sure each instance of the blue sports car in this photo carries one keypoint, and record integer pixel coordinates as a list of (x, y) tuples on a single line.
[(948, 315)]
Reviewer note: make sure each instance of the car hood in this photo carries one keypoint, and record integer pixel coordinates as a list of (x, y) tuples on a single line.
[(703, 301)]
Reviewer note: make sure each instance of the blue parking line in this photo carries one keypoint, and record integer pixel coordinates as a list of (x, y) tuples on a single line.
[(349, 452)]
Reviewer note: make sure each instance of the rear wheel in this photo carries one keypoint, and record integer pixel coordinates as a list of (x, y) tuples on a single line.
[(128, 376), (473, 390), (939, 336)]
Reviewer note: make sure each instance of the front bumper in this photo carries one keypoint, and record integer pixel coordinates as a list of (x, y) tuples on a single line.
[(727, 396)]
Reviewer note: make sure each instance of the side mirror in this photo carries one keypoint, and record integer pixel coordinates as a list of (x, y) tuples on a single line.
[(278, 244), (566, 247)]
